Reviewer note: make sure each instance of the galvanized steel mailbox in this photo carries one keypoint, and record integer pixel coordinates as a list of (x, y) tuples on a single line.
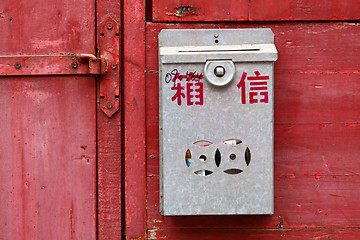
[(216, 121)]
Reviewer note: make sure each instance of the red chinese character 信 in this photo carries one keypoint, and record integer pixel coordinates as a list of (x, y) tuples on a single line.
[(258, 88)]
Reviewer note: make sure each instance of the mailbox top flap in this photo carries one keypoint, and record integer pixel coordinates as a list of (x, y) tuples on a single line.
[(236, 53), (200, 45)]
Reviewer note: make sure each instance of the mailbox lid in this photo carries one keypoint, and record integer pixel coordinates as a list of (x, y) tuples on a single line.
[(196, 46), (207, 37), (236, 53)]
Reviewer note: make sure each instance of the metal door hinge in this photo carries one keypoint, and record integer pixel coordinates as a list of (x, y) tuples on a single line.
[(109, 51)]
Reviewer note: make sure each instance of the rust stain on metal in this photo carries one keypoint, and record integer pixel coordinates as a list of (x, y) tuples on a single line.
[(183, 11)]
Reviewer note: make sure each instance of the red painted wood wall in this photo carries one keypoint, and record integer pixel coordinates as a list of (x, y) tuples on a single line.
[(317, 120), (69, 172)]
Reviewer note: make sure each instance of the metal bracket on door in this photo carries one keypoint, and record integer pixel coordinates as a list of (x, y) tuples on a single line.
[(107, 66), (37, 65), (109, 50)]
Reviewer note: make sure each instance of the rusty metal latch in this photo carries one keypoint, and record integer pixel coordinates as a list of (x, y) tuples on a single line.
[(106, 66), (32, 65)]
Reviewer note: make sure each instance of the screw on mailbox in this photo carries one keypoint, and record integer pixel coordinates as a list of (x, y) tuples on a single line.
[(109, 26), (17, 65), (219, 71), (113, 66), (74, 65), (109, 105)]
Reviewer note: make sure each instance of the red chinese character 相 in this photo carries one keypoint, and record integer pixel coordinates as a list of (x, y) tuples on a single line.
[(194, 93)]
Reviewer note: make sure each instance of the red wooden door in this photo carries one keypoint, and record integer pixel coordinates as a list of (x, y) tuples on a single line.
[(47, 122)]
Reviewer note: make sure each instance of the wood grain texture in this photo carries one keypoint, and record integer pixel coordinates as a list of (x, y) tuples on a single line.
[(109, 139), (250, 234), (316, 182), (48, 125), (47, 158), (47, 28), (316, 76), (134, 119), (288, 10), (199, 10), (317, 134), (254, 10)]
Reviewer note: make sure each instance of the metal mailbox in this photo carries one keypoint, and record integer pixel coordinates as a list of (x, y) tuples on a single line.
[(216, 121)]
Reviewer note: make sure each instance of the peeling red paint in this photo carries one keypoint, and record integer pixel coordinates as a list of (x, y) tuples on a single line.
[(184, 11), (352, 125), (318, 175)]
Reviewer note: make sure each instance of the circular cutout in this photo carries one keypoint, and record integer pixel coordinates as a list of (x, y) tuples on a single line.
[(232, 156), (216, 41), (202, 158)]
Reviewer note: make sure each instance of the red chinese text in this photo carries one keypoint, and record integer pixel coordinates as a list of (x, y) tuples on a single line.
[(193, 92), (258, 92)]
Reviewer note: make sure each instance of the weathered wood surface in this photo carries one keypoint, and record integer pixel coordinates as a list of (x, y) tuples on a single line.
[(47, 125), (134, 120), (109, 140), (317, 135), (316, 76), (254, 10), (199, 10), (47, 158), (289, 10), (225, 234)]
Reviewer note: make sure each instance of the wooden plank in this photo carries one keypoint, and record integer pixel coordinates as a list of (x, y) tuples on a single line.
[(319, 47), (48, 125), (109, 175), (314, 186), (152, 123), (313, 82), (109, 149), (254, 10), (290, 10), (47, 158), (300, 97), (199, 10), (250, 234), (316, 181), (134, 119), (47, 27)]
